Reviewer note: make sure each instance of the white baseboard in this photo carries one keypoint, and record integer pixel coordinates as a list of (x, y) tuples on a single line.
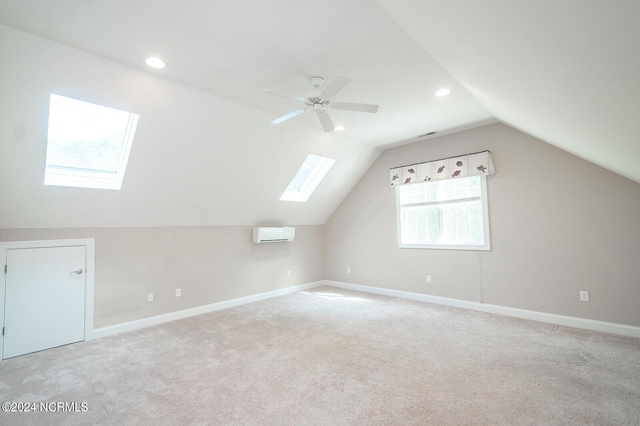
[(587, 324), (172, 316)]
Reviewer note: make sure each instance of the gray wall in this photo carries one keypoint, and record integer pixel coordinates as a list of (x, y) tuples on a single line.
[(209, 264), (558, 224)]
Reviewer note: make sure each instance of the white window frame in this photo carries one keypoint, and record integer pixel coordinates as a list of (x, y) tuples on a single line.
[(486, 246)]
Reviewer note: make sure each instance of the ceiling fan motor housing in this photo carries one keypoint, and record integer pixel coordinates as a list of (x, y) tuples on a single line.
[(316, 103)]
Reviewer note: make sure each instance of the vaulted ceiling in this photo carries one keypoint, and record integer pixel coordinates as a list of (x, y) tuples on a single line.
[(205, 152)]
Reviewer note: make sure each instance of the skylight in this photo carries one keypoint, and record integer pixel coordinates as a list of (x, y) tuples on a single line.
[(88, 145), (308, 177)]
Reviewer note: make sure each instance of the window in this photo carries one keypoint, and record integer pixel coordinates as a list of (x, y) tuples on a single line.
[(444, 214), (88, 145), (308, 177)]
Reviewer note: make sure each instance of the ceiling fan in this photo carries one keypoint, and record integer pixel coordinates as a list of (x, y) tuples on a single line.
[(320, 100)]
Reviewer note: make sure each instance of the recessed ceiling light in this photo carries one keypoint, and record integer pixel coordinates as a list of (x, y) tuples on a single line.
[(443, 92), (339, 128), (155, 63)]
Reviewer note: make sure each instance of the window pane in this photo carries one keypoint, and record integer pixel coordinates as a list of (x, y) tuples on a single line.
[(303, 173), (475, 232), (307, 178), (85, 136), (462, 233), (445, 213), (88, 145), (433, 224), (449, 233), (448, 214), (461, 215), (475, 213)]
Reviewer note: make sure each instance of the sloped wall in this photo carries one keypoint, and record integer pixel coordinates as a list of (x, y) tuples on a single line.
[(196, 160), (559, 225), (209, 264)]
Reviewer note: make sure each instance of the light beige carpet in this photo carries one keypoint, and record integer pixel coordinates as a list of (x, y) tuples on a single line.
[(335, 357)]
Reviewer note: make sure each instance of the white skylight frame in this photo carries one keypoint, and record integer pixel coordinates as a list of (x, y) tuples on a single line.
[(307, 178), (72, 121)]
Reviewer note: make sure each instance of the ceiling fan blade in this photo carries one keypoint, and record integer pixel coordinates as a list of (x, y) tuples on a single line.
[(283, 95), (334, 87), (288, 116), (350, 106), (325, 120)]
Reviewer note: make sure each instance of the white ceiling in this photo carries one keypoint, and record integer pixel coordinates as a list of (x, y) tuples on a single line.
[(236, 49), (563, 71)]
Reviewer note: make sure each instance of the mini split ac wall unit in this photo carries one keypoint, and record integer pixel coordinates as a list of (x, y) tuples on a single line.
[(280, 234)]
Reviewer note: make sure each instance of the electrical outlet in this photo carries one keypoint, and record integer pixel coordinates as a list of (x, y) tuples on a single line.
[(289, 274), (150, 297), (178, 292), (348, 270), (428, 278), (584, 296)]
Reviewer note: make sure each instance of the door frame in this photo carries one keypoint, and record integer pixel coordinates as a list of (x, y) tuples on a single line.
[(88, 243)]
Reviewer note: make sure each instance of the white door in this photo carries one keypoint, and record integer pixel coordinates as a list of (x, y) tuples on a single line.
[(44, 298)]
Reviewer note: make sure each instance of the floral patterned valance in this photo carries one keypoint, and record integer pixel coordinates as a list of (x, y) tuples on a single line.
[(479, 163)]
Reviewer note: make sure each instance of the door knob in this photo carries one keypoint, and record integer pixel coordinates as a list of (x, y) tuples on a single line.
[(79, 271)]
